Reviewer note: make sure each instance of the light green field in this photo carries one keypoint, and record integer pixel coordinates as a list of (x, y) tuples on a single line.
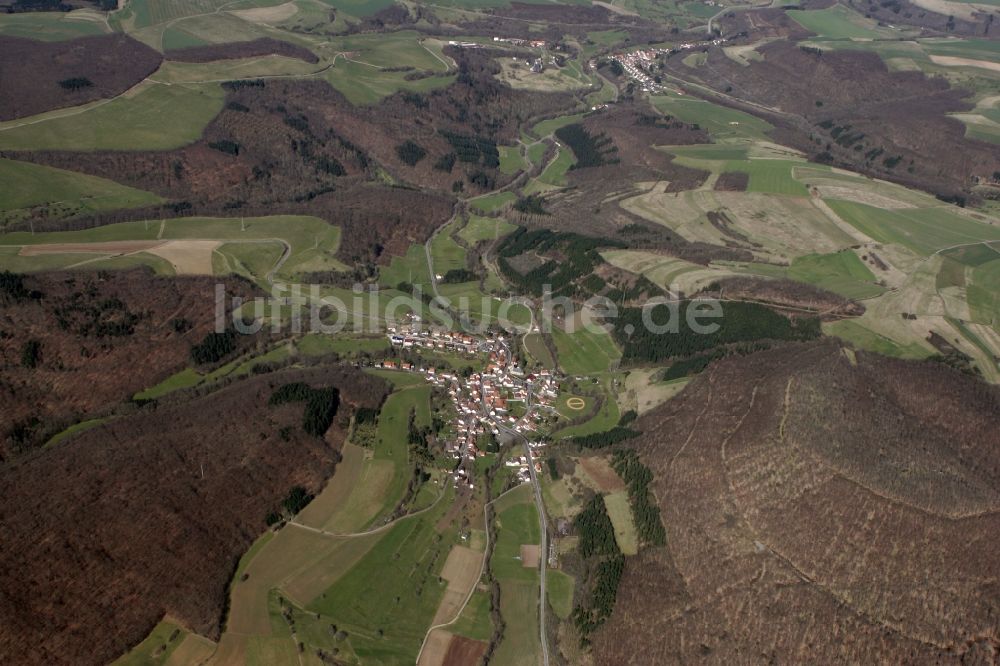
[(584, 352), (475, 622), (559, 593), (318, 344), (252, 260), (481, 229), (82, 426), (839, 22), (517, 524), (61, 193), (620, 512), (387, 621), (536, 152), (547, 127), (492, 202), (722, 123), (511, 160), (840, 272), (446, 252), (554, 174), (149, 117), (534, 345), (11, 260), (411, 269), (923, 231), (605, 419), (864, 338), (391, 442), (53, 26)]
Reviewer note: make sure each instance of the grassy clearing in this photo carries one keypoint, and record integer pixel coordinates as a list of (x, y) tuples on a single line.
[(521, 645), (511, 160), (61, 193), (149, 117), (156, 649), (605, 419), (491, 203), (554, 174), (446, 252), (547, 127), (620, 512), (722, 123), (535, 346), (319, 344), (410, 269), (480, 229), (82, 426), (840, 272), (559, 593), (584, 352)]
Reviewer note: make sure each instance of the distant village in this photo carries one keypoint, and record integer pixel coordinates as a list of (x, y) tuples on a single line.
[(500, 399)]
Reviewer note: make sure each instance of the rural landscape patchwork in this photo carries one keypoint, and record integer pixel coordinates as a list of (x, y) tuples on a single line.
[(500, 332)]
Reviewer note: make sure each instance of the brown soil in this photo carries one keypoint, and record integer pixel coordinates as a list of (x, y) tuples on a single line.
[(530, 556), (732, 181), (148, 515), (817, 510), (599, 469), (31, 71), (464, 651)]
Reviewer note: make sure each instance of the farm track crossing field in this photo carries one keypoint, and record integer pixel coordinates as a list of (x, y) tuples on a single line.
[(54, 26), (312, 242), (148, 117), (481, 229)]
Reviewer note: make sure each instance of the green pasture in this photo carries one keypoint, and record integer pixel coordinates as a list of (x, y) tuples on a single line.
[(511, 160), (54, 26), (584, 352), (839, 22), (923, 231), (61, 193), (150, 117), (492, 202), (722, 123), (479, 229)]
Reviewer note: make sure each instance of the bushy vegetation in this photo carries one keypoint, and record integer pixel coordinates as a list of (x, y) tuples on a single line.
[(458, 276), (532, 204), (321, 405), (365, 427), (605, 565), (580, 256), (646, 514), (741, 322), (76, 83), (214, 347), (474, 149), (410, 152), (590, 150), (601, 440)]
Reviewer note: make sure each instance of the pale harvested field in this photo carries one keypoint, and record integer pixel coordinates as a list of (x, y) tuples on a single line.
[(436, 648), (642, 394), (268, 15), (461, 570), (194, 649), (955, 61), (188, 257), (332, 499), (599, 475), (861, 196), (531, 555)]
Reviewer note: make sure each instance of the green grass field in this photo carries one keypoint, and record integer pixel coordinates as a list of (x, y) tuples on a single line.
[(511, 160), (547, 127), (863, 338), (517, 521), (839, 22), (559, 593), (446, 252), (82, 426), (61, 193), (840, 272), (480, 229), (387, 620), (604, 419), (151, 117), (923, 231), (584, 352), (475, 622), (534, 345), (722, 123), (411, 269), (492, 202), (54, 26)]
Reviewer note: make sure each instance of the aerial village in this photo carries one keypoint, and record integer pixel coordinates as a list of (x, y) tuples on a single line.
[(501, 400)]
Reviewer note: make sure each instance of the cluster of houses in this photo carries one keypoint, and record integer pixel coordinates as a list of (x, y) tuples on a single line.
[(500, 398), (516, 41)]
